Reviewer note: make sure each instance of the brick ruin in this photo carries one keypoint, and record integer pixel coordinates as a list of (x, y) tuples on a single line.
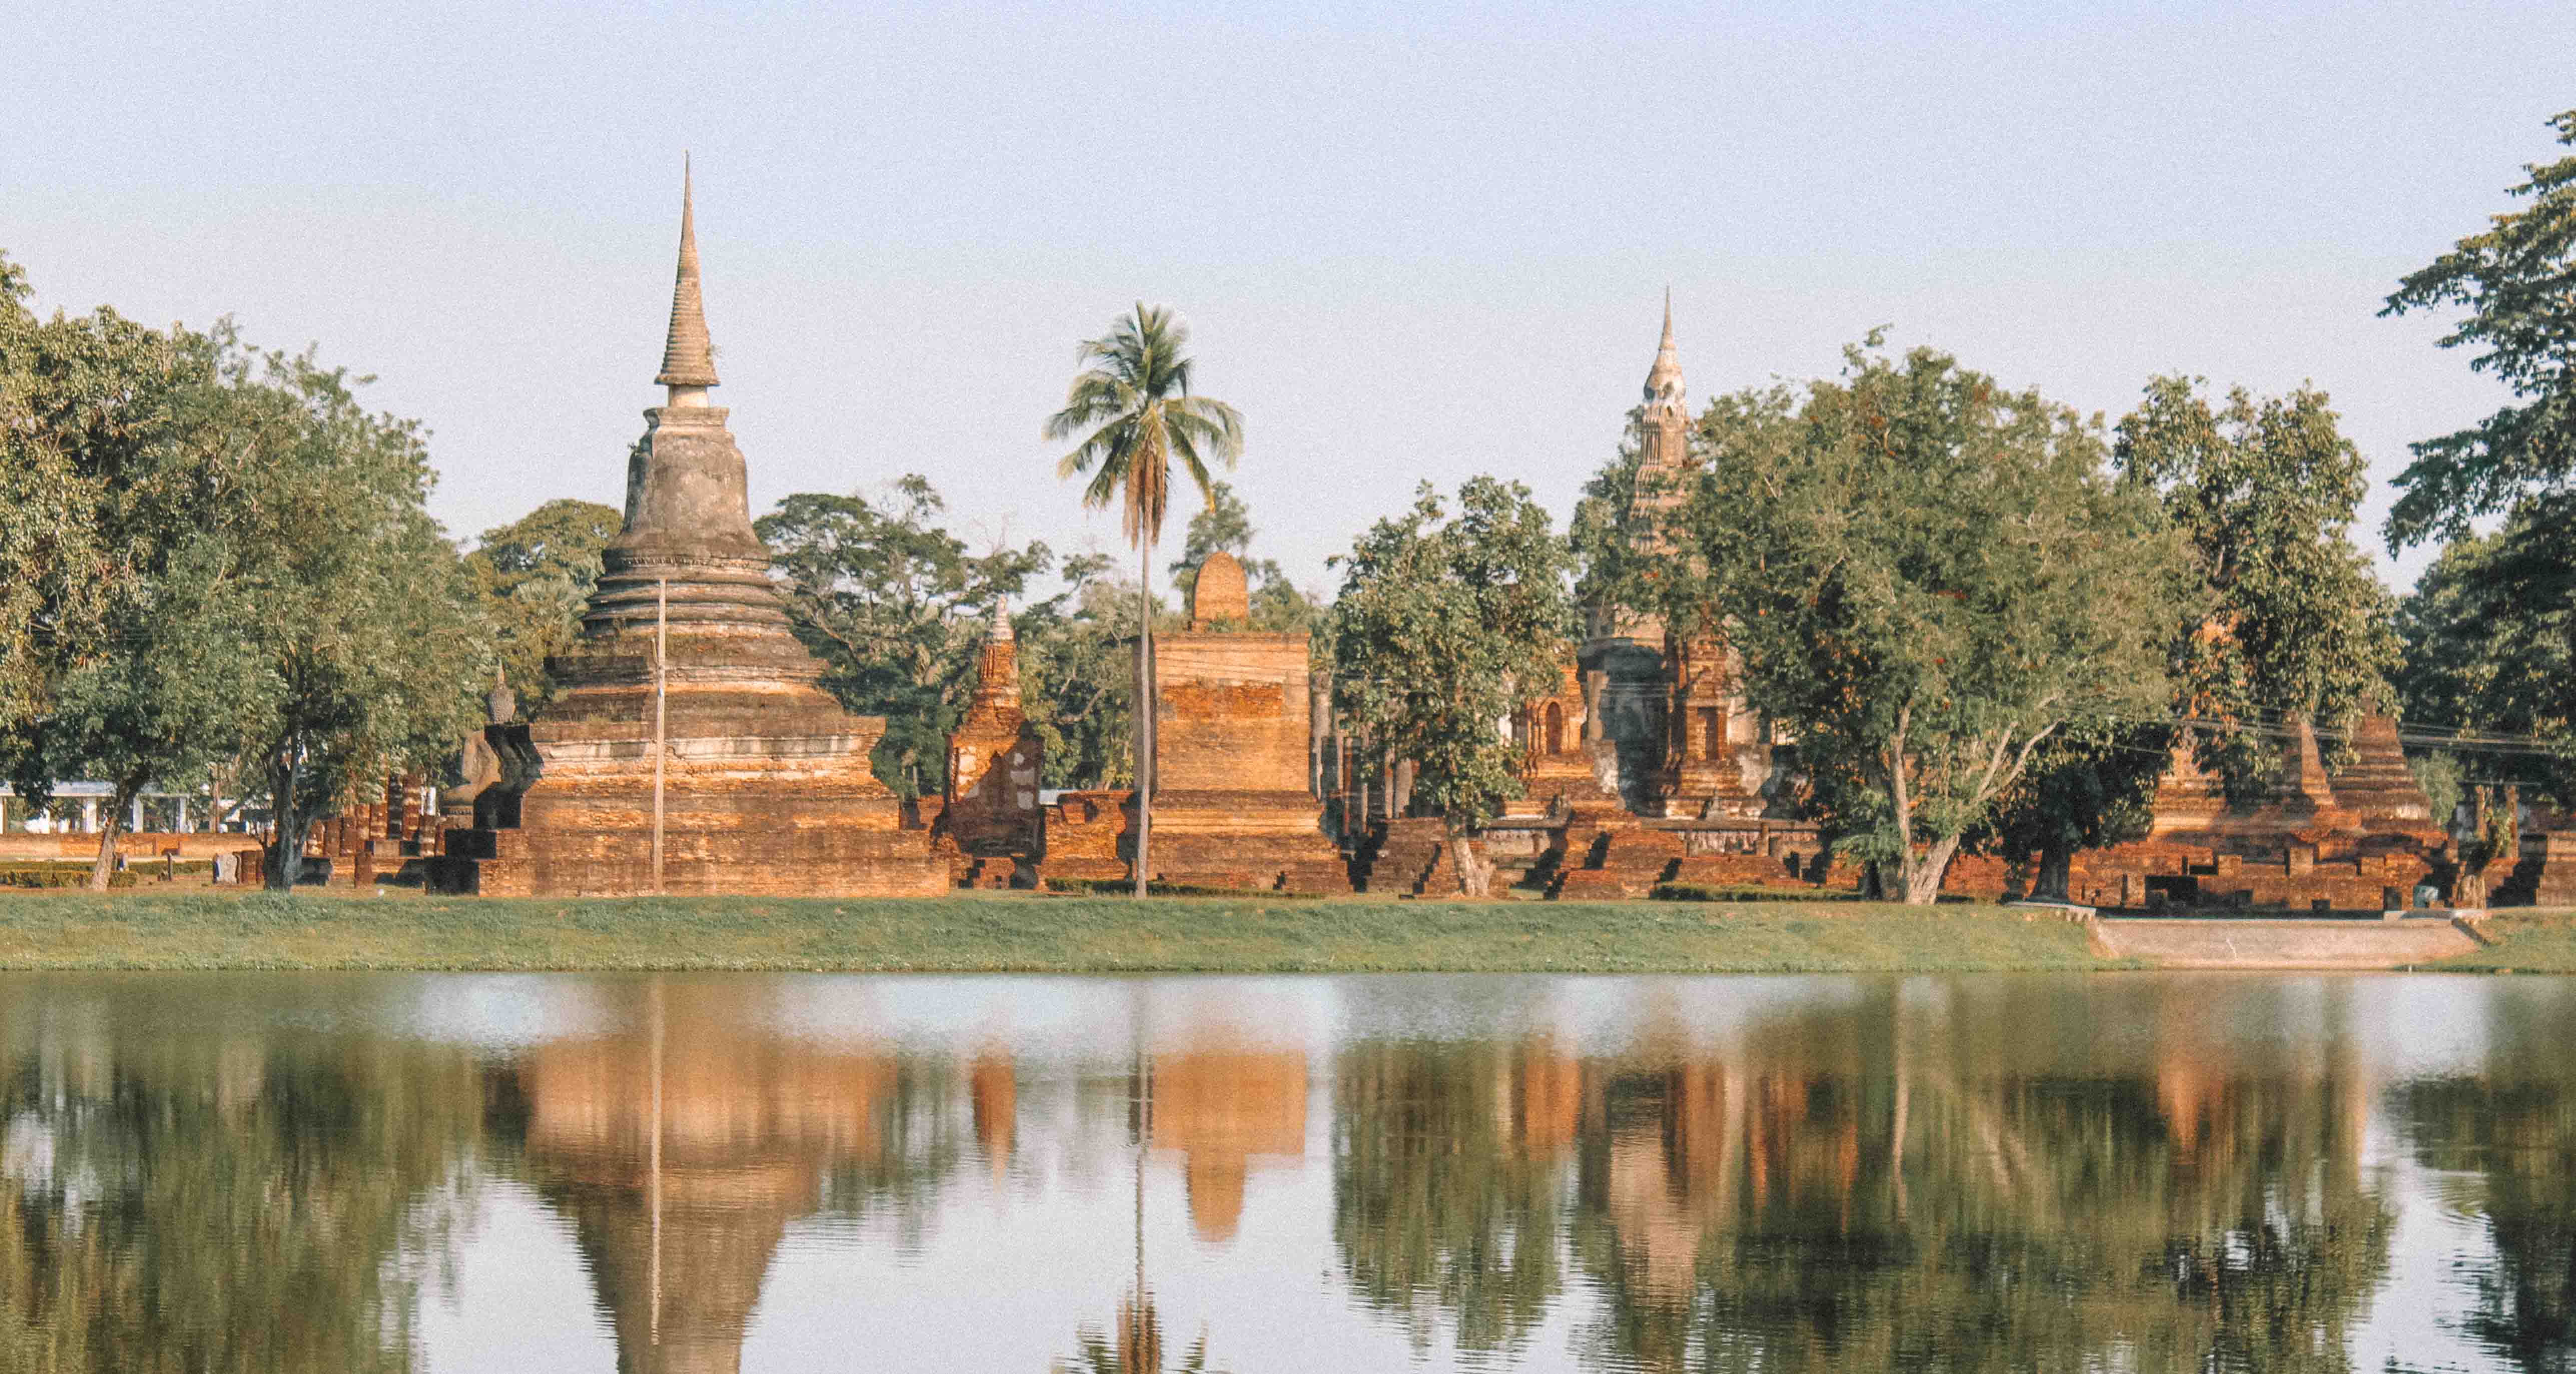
[(1234, 804), (1645, 765), (2364, 840), (766, 782), (989, 817)]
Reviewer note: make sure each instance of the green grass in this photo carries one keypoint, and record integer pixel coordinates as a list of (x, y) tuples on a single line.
[(2525, 941), (203, 929)]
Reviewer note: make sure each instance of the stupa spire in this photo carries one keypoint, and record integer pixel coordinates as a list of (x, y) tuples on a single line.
[(1664, 379), (688, 357)]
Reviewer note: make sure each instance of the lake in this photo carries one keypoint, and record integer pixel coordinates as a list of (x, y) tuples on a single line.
[(766, 1172)]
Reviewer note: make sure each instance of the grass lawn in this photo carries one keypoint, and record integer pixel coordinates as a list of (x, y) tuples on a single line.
[(206, 929), (2526, 941)]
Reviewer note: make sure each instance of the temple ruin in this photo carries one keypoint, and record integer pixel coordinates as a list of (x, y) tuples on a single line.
[(1234, 804), (691, 749)]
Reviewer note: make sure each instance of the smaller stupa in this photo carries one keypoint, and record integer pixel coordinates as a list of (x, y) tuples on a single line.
[(991, 811)]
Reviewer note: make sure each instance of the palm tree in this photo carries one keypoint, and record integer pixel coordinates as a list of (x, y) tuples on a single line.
[(1132, 401)]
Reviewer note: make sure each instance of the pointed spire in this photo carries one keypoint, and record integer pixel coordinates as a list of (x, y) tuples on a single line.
[(1001, 628), (688, 358), (1664, 380)]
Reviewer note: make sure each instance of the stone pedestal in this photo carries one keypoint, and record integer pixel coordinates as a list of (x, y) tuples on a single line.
[(1232, 725)]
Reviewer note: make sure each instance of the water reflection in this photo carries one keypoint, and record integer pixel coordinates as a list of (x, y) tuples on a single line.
[(2143, 1172)]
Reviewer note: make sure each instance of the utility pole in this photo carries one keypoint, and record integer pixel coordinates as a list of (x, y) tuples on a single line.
[(661, 690)]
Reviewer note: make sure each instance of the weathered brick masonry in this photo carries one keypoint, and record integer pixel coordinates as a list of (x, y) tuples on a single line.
[(767, 781)]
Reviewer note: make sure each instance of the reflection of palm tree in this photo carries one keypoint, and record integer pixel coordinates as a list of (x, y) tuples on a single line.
[(1139, 1347)]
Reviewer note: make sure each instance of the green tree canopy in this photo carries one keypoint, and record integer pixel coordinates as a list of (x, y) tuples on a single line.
[(121, 548), (1077, 675), (2292, 621), (372, 654), (1445, 624), (894, 605), (2512, 285), (1611, 568), (1927, 577), (2488, 632), (536, 575)]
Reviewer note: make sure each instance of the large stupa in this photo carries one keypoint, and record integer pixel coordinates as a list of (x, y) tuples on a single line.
[(765, 780)]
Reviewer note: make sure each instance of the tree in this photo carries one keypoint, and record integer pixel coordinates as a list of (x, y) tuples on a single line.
[(120, 549), (1278, 607), (1612, 564), (217, 553), (1927, 577), (2291, 621), (371, 656), (536, 575), (1074, 690), (1135, 403), (2490, 648), (895, 606), (1443, 627), (2511, 282), (2085, 788)]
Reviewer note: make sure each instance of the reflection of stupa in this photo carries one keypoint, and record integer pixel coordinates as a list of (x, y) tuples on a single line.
[(680, 1152), (1221, 1108)]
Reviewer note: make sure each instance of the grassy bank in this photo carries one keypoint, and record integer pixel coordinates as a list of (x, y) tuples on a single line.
[(208, 930), (2526, 942)]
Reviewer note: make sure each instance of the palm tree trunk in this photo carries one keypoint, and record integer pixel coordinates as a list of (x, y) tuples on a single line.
[(1144, 710)]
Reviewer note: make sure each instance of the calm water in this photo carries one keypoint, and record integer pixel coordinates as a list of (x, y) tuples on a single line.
[(251, 1172)]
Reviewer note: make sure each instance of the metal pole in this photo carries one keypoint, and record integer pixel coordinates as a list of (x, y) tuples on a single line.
[(1144, 712), (661, 680)]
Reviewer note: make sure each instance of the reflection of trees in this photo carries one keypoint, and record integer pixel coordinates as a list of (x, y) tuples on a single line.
[(1873, 1187), (1912, 1192), (183, 1194), (2516, 1130), (1446, 1199)]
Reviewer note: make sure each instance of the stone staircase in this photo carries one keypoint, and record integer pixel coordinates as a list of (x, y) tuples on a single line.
[(1605, 863), (1406, 858)]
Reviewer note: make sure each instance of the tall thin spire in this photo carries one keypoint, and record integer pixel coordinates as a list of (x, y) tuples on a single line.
[(689, 357), (1664, 379)]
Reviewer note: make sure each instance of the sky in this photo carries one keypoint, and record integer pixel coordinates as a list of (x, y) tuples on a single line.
[(1412, 242)]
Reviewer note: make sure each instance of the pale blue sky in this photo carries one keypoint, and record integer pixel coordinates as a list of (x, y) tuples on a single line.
[(1416, 241)]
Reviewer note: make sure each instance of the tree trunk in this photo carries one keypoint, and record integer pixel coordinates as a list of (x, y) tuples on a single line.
[(110, 826), (2056, 863), (2469, 883), (286, 828), (1475, 875), (1144, 713), (1922, 874)]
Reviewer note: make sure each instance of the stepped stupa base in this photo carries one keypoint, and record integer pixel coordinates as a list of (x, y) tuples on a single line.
[(766, 788)]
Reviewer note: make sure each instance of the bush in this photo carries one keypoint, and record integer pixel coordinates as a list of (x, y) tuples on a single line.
[(1122, 887), (1694, 892), (59, 875)]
